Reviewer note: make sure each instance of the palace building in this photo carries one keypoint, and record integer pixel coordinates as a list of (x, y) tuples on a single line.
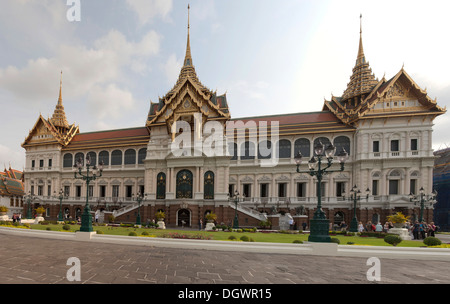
[(192, 158), (11, 190)]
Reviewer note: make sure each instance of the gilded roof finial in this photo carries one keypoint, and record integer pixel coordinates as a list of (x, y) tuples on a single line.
[(360, 59), (59, 116), (60, 91), (188, 58)]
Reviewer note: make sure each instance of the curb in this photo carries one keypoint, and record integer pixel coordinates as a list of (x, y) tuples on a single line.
[(319, 249)]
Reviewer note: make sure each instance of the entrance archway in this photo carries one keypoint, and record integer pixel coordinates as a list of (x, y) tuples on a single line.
[(184, 218)]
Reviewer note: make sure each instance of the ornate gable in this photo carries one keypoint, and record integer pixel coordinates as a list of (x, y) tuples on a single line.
[(188, 97), (52, 130), (366, 97)]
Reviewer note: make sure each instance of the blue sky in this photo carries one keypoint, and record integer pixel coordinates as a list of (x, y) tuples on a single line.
[(268, 56)]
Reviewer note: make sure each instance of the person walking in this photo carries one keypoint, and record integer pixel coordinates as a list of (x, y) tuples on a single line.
[(416, 229), (360, 227), (369, 226), (379, 228), (386, 227), (432, 229)]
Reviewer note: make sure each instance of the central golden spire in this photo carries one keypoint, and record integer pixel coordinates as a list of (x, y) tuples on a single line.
[(59, 119), (188, 57), (188, 70), (362, 80), (360, 59)]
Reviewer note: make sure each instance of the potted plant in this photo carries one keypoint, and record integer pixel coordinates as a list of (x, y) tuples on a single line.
[(160, 216), (211, 217), (40, 210), (398, 219), (3, 210)]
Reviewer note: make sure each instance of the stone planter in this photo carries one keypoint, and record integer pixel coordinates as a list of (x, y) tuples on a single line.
[(209, 226), (402, 232), (398, 225), (38, 219), (161, 224)]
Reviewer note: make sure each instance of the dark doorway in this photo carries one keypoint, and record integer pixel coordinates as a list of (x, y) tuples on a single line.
[(184, 218)]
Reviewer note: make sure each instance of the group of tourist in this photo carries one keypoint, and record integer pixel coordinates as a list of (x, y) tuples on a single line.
[(418, 230), (17, 217), (421, 230)]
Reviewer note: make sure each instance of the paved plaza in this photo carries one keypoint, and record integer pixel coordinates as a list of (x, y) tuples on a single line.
[(30, 260)]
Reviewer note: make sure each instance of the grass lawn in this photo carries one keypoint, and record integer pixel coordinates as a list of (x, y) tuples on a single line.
[(223, 236)]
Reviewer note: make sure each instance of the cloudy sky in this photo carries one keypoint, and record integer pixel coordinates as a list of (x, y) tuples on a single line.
[(269, 56)]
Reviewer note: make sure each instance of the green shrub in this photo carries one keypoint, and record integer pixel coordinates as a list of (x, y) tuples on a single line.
[(297, 242), (244, 238), (99, 232), (66, 227), (132, 233), (432, 241), (393, 239), (144, 233), (231, 237), (335, 240), (48, 228)]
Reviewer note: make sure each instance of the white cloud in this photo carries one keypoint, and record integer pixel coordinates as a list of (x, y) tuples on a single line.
[(147, 10), (109, 103), (11, 157), (172, 68), (82, 67)]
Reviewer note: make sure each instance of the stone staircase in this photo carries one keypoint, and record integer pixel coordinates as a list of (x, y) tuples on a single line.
[(249, 211), (125, 209)]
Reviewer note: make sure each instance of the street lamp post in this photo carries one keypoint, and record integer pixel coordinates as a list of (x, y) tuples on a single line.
[(423, 198), (139, 197), (60, 197), (29, 198), (355, 196), (319, 225), (236, 219), (86, 218)]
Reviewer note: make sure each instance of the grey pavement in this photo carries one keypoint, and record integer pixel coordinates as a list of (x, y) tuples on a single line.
[(30, 260)]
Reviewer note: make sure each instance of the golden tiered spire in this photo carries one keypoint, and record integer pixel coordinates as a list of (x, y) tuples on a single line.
[(188, 57), (362, 80), (59, 119), (188, 69)]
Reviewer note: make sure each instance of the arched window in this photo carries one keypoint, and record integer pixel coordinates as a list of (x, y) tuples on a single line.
[(184, 184), (141, 155), (130, 157), (208, 185), (161, 186), (284, 148), (103, 157), (248, 150), (265, 149), (79, 156), (394, 182), (342, 142), (93, 157), (302, 145), (325, 142), (232, 149), (68, 160), (116, 158)]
